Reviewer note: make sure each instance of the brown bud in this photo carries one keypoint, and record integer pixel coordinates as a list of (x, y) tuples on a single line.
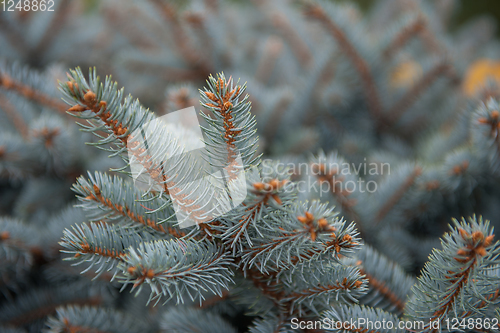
[(347, 238), (481, 251), (6, 81), (77, 108), (4, 235), (309, 216), (302, 219), (102, 105), (322, 222), (150, 274), (89, 97), (97, 191), (259, 186), (211, 96), (483, 120), (274, 184), (463, 233), (477, 236)]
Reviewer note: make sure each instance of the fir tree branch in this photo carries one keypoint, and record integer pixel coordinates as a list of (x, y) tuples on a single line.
[(262, 198), (180, 98), (14, 117), (119, 118), (18, 243), (189, 320), (455, 276), (48, 309), (386, 280), (234, 126), (100, 244), (272, 49), (299, 47), (181, 39), (372, 96), (269, 287), (41, 302), (164, 72), (341, 196), (403, 37), (56, 24), (14, 36), (121, 21), (398, 194), (215, 299), (405, 102), (102, 189), (341, 283), (174, 267), (344, 315), (198, 23), (8, 83), (282, 24), (305, 234), (269, 131), (87, 319)]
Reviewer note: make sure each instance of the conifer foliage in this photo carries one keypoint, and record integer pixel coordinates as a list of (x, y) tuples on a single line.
[(368, 142)]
